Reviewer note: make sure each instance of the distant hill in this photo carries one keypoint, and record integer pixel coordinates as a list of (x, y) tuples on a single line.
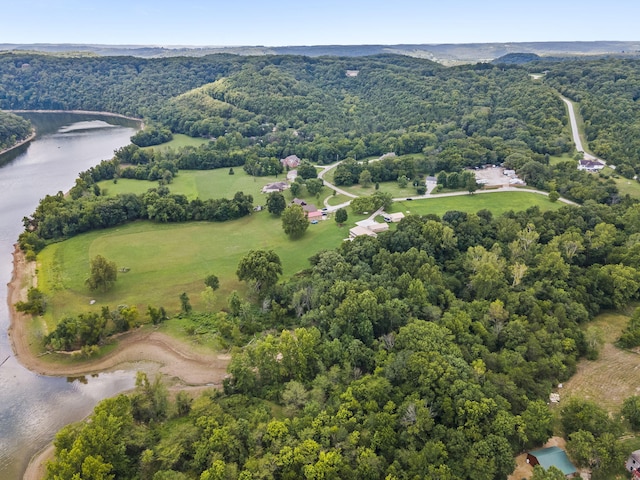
[(516, 58), (447, 54)]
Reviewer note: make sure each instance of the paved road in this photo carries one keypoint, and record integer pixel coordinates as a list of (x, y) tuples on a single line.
[(495, 190), (576, 133), (428, 195), (574, 125)]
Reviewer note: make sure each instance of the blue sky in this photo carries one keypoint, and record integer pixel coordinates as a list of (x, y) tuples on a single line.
[(311, 22)]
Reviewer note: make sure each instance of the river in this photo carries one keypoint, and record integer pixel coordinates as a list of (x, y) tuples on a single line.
[(34, 407)]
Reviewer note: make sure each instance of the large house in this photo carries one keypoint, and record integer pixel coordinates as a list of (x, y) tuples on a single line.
[(292, 161), (310, 209), (590, 165), (358, 231), (275, 187)]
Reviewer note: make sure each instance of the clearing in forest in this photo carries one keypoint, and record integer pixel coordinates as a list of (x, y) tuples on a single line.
[(613, 376)]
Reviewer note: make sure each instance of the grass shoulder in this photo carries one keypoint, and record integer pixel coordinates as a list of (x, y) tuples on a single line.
[(498, 203)]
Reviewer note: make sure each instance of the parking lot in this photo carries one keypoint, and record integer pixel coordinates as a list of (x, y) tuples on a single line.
[(492, 176)]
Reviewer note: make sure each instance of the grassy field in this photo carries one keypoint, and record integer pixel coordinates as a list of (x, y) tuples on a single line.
[(555, 159), (338, 199), (202, 184), (498, 203), (625, 186), (386, 187), (208, 184), (166, 260), (180, 140), (613, 376)]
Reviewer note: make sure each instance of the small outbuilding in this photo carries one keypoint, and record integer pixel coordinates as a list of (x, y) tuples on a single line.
[(552, 457), (315, 215), (393, 217)]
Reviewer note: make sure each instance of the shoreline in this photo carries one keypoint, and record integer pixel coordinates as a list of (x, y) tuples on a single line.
[(176, 359), (20, 143), (81, 112)]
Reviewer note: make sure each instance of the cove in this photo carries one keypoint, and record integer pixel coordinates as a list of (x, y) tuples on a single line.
[(34, 407)]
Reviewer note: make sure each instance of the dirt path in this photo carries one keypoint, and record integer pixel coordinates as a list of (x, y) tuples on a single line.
[(177, 359)]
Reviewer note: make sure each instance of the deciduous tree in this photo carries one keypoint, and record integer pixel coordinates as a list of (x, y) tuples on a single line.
[(341, 216), (276, 203), (261, 268), (103, 274), (294, 221)]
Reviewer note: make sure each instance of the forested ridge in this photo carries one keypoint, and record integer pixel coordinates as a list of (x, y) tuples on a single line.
[(427, 352), (13, 129), (608, 91)]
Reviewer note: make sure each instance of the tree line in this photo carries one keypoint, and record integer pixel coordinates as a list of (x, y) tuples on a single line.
[(58, 217), (13, 129)]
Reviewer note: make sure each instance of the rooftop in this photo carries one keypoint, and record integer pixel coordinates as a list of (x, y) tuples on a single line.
[(554, 457)]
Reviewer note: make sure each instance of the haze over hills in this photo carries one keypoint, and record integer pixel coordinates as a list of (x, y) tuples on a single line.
[(447, 54)]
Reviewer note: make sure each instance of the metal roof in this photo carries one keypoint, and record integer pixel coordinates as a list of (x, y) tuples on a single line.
[(554, 457)]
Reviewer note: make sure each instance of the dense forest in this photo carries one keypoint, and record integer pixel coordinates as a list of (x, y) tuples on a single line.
[(427, 352), (608, 92), (13, 129)]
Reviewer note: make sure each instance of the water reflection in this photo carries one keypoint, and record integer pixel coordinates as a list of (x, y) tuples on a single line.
[(33, 407)]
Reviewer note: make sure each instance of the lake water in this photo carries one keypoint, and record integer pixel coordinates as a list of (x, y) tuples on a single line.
[(34, 407)]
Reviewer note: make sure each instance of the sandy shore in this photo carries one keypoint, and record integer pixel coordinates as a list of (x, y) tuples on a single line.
[(177, 360)]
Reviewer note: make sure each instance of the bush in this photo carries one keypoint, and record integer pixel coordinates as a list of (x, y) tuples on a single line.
[(35, 304)]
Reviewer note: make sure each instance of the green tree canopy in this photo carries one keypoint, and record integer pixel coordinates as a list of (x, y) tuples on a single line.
[(341, 216), (103, 274), (276, 203), (261, 268), (294, 221)]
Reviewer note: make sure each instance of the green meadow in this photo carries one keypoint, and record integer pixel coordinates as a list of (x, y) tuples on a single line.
[(498, 203), (180, 140), (164, 260), (210, 184)]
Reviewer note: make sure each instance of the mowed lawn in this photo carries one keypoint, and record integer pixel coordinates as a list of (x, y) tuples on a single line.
[(210, 184), (497, 202), (180, 140), (613, 376), (165, 260)]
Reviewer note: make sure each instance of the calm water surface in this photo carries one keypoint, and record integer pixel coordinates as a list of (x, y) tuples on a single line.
[(33, 407)]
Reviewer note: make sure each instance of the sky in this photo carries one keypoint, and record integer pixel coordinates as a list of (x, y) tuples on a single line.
[(312, 22)]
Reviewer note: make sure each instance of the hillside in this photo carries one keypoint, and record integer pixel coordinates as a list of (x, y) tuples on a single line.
[(427, 351), (448, 54)]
